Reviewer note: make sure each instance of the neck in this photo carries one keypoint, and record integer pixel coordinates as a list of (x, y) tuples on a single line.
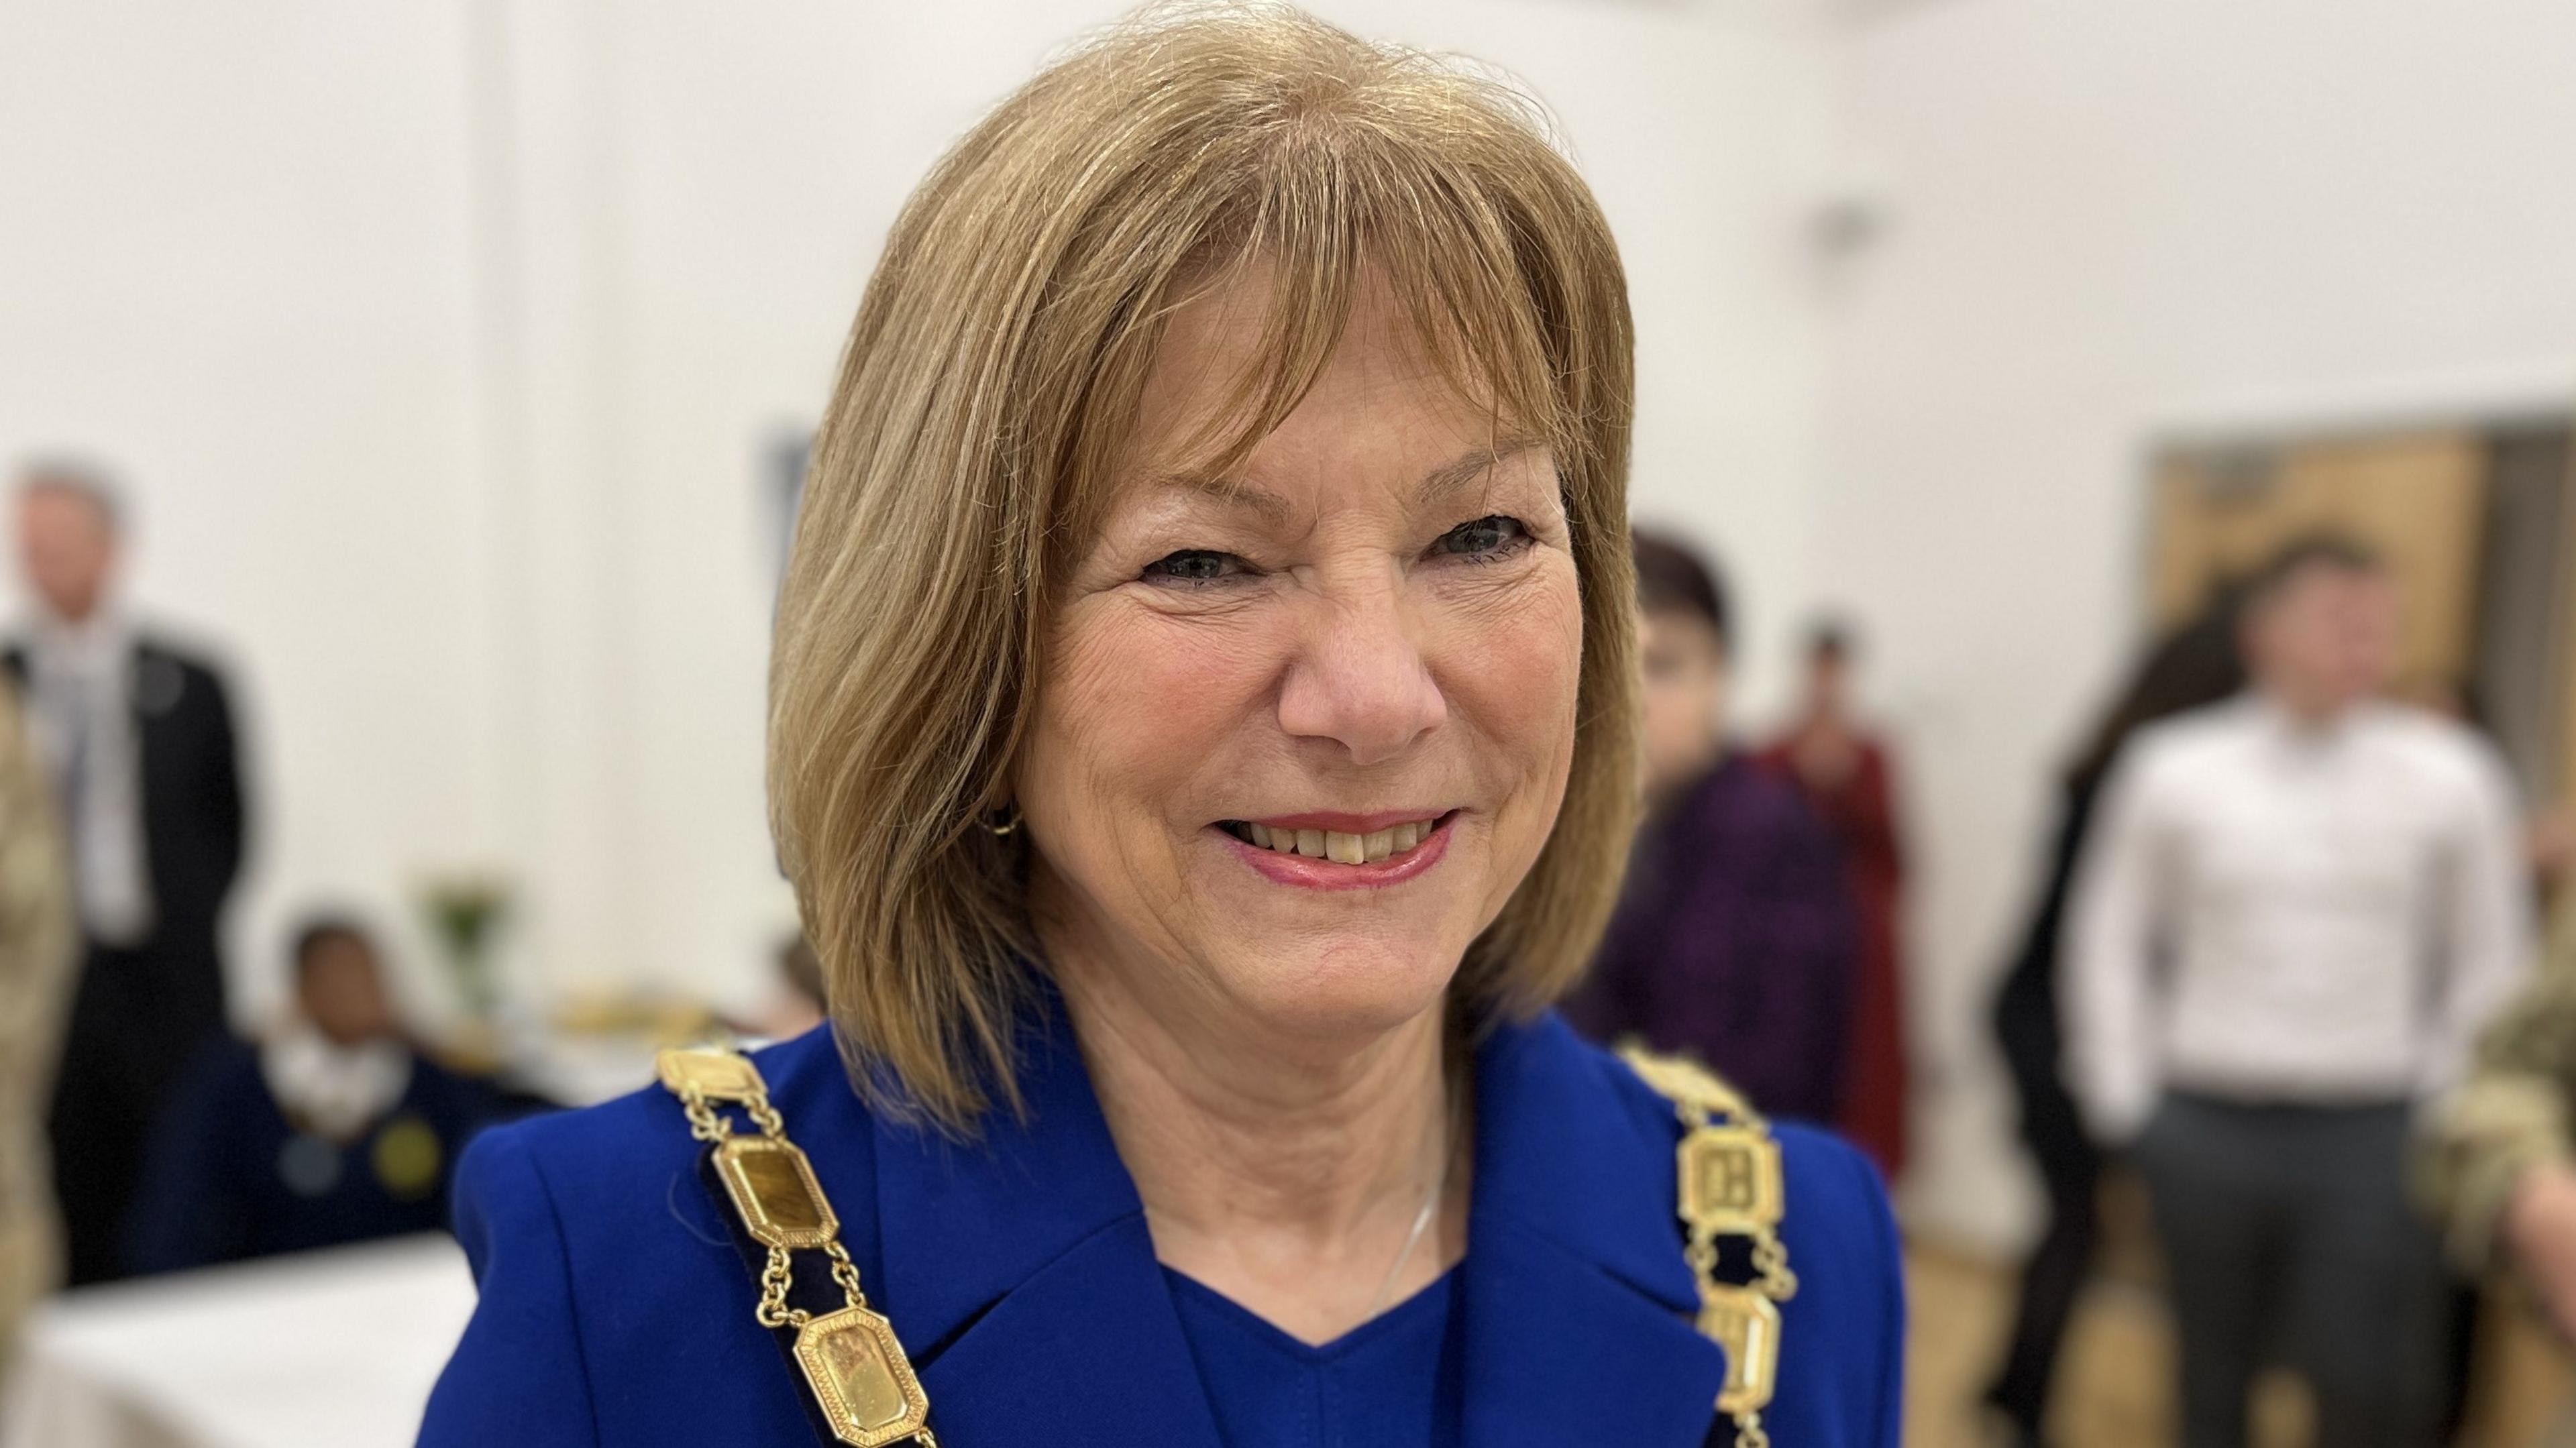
[(2307, 708), (70, 622), (1287, 1175)]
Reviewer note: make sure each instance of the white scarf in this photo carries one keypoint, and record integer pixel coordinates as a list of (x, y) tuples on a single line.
[(333, 1090)]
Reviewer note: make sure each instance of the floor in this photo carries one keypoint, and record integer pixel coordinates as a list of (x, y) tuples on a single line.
[(2113, 1388)]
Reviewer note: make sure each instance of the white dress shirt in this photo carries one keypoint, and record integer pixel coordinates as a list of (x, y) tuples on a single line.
[(2279, 911), (80, 685)]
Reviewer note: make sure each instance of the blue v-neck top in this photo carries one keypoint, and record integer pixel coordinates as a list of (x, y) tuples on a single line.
[(1391, 1382)]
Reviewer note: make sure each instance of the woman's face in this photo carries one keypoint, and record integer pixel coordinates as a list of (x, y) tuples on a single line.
[(1302, 729)]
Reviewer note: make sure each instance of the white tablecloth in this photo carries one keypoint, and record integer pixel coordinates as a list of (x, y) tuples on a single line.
[(329, 1349)]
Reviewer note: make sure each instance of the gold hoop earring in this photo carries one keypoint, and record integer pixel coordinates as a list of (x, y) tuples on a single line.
[(1006, 828)]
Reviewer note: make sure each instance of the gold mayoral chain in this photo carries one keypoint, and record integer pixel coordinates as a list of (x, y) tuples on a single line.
[(1730, 1186), (857, 1370)]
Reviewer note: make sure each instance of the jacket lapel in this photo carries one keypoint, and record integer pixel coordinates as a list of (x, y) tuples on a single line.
[(1578, 1305), (1020, 1276)]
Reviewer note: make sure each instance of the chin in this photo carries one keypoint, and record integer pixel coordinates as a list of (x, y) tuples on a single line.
[(1350, 989)]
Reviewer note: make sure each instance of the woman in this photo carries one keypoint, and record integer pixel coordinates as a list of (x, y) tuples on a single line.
[(2195, 665), (1735, 933), (1846, 773), (1201, 745)]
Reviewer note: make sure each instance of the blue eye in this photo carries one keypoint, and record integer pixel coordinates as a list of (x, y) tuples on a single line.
[(1194, 566), (1484, 540)]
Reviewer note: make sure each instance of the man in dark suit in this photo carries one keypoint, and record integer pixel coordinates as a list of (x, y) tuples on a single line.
[(138, 738)]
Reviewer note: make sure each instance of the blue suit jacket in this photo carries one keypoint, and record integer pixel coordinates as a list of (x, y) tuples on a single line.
[(1020, 1276)]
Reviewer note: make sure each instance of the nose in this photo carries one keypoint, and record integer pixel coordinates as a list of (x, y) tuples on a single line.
[(1360, 678)]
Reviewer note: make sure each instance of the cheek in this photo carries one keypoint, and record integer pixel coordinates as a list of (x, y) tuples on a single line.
[(1132, 707), (1512, 667)]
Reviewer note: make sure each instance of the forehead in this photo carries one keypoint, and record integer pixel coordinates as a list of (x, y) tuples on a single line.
[(54, 501), (337, 946), (2331, 583), (1230, 384)]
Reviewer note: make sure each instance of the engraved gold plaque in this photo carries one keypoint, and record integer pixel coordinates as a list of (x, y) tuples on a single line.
[(774, 1190), (861, 1378), (1747, 1325), (1730, 1179), (717, 1075)]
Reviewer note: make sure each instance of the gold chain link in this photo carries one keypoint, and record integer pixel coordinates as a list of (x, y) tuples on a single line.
[(709, 1125), (775, 1279), (1771, 1260), (845, 1272), (704, 1123), (780, 1275), (1772, 1277)]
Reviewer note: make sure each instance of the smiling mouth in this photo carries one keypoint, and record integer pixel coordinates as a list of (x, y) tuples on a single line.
[(1334, 845)]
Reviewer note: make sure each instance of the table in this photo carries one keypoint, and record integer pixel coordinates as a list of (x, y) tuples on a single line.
[(333, 1349)]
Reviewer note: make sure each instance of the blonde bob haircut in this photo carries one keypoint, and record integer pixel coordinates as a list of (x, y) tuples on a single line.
[(992, 376)]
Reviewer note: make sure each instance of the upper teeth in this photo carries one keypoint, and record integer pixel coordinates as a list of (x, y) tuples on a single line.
[(1346, 849)]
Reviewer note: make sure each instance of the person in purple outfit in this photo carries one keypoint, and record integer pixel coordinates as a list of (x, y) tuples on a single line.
[(1736, 936)]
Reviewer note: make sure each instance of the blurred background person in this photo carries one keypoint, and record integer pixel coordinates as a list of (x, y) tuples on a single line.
[(2499, 1164), (138, 738), (1735, 934), (35, 976), (2193, 666), (334, 1129), (1845, 772), (2295, 911)]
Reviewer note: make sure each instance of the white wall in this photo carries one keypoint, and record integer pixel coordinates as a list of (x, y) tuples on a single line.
[(2105, 221), (442, 348), (232, 263)]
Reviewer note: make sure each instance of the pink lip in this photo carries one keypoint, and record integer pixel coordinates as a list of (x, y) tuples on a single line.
[(1349, 824), (1309, 873)]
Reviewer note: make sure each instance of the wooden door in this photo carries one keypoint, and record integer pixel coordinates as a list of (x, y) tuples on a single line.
[(2418, 498)]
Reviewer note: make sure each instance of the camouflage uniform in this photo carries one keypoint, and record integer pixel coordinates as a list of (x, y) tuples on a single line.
[(2513, 1112), (35, 977)]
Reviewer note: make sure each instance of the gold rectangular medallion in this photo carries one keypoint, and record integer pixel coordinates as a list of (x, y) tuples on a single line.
[(1747, 1325), (717, 1075), (861, 1378), (1730, 1178), (774, 1190)]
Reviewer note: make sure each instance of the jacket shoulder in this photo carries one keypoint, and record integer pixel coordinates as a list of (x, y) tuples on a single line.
[(605, 1163), (196, 668), (1843, 1333), (1842, 1337), (1826, 1175), (611, 1293)]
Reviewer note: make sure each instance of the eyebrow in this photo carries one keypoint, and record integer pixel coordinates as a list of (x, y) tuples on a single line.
[(1437, 486), (1453, 477)]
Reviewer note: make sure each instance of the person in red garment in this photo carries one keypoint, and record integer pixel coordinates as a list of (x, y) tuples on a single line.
[(1844, 772)]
